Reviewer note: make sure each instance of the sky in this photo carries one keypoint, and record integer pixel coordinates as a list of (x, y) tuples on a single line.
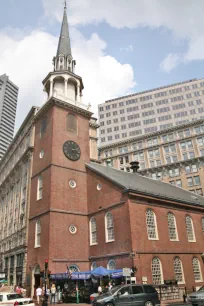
[(120, 46)]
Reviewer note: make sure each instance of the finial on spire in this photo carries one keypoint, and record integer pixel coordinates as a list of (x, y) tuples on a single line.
[(65, 4)]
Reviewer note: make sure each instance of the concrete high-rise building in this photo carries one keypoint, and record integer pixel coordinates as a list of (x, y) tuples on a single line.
[(8, 104), (151, 111)]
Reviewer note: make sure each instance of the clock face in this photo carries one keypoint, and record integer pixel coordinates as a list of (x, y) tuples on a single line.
[(71, 150)]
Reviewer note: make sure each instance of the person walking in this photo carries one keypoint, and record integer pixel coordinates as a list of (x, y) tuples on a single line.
[(39, 294), (53, 292)]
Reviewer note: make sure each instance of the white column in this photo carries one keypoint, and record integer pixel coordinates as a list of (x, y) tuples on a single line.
[(65, 88), (78, 93), (51, 89)]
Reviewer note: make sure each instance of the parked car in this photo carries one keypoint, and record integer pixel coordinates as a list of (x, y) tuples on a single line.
[(14, 299), (129, 295), (197, 298)]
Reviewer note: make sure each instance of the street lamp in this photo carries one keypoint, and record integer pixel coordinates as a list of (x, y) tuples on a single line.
[(134, 268)]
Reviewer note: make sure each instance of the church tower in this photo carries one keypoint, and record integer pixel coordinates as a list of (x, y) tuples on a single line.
[(63, 83), (58, 224)]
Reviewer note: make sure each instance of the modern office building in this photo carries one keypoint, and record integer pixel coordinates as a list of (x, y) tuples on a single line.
[(151, 111), (8, 104), (174, 155)]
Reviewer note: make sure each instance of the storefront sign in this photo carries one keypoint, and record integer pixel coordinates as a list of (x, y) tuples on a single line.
[(126, 271), (2, 275)]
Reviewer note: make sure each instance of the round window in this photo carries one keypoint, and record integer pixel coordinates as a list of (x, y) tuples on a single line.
[(72, 229), (72, 184), (42, 153), (99, 186)]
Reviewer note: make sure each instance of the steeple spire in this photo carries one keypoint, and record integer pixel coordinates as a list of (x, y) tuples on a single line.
[(64, 46), (64, 59)]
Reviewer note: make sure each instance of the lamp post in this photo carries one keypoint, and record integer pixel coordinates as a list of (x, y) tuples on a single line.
[(134, 268)]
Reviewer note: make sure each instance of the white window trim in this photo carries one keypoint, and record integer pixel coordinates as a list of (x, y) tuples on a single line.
[(90, 230), (161, 270), (106, 232), (201, 276), (36, 234), (177, 238), (156, 229), (38, 188), (193, 240), (108, 267), (183, 282)]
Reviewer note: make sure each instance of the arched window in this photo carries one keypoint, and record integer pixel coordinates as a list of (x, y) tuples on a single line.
[(73, 268), (37, 233), (173, 235), (72, 123), (93, 231), (178, 270), (196, 270), (202, 223), (111, 265), (157, 274), (109, 227), (93, 265), (190, 229), (43, 126), (151, 225)]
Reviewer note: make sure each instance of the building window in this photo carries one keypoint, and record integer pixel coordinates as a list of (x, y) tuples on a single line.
[(196, 269), (93, 232), (72, 123), (151, 225), (93, 266), (173, 235), (193, 181), (40, 187), (109, 226), (202, 223), (43, 126), (37, 233), (73, 268), (157, 275), (111, 265), (190, 229), (123, 149), (178, 270)]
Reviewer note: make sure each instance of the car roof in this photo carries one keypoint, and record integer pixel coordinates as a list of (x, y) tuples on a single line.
[(5, 293)]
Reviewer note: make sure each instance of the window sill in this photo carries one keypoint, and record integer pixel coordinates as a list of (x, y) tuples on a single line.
[(39, 199), (110, 241), (36, 247), (174, 240), (191, 240), (199, 281), (153, 239), (92, 244)]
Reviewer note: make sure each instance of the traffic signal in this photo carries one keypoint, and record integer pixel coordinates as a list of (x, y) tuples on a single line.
[(46, 264)]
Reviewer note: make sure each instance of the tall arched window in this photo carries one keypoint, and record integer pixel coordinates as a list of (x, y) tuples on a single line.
[(93, 265), (109, 227), (178, 270), (173, 235), (93, 231), (111, 265), (157, 274), (196, 270), (151, 225), (202, 223), (190, 229), (37, 233), (72, 123)]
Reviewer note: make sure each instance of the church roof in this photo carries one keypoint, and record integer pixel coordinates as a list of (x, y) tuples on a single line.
[(64, 46), (143, 185)]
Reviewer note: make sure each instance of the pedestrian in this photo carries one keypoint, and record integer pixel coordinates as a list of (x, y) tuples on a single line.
[(39, 294), (110, 286), (99, 290), (53, 292)]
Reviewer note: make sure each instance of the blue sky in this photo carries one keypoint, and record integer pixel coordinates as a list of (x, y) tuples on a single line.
[(120, 46)]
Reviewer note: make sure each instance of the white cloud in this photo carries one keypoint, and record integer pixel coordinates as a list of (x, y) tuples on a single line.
[(129, 48), (184, 18), (170, 62), (28, 59)]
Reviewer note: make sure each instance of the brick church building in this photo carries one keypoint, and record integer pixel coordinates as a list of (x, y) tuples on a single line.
[(83, 214)]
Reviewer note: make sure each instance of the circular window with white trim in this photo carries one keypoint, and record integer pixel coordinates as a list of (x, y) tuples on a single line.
[(72, 229), (99, 186), (42, 152), (72, 184)]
